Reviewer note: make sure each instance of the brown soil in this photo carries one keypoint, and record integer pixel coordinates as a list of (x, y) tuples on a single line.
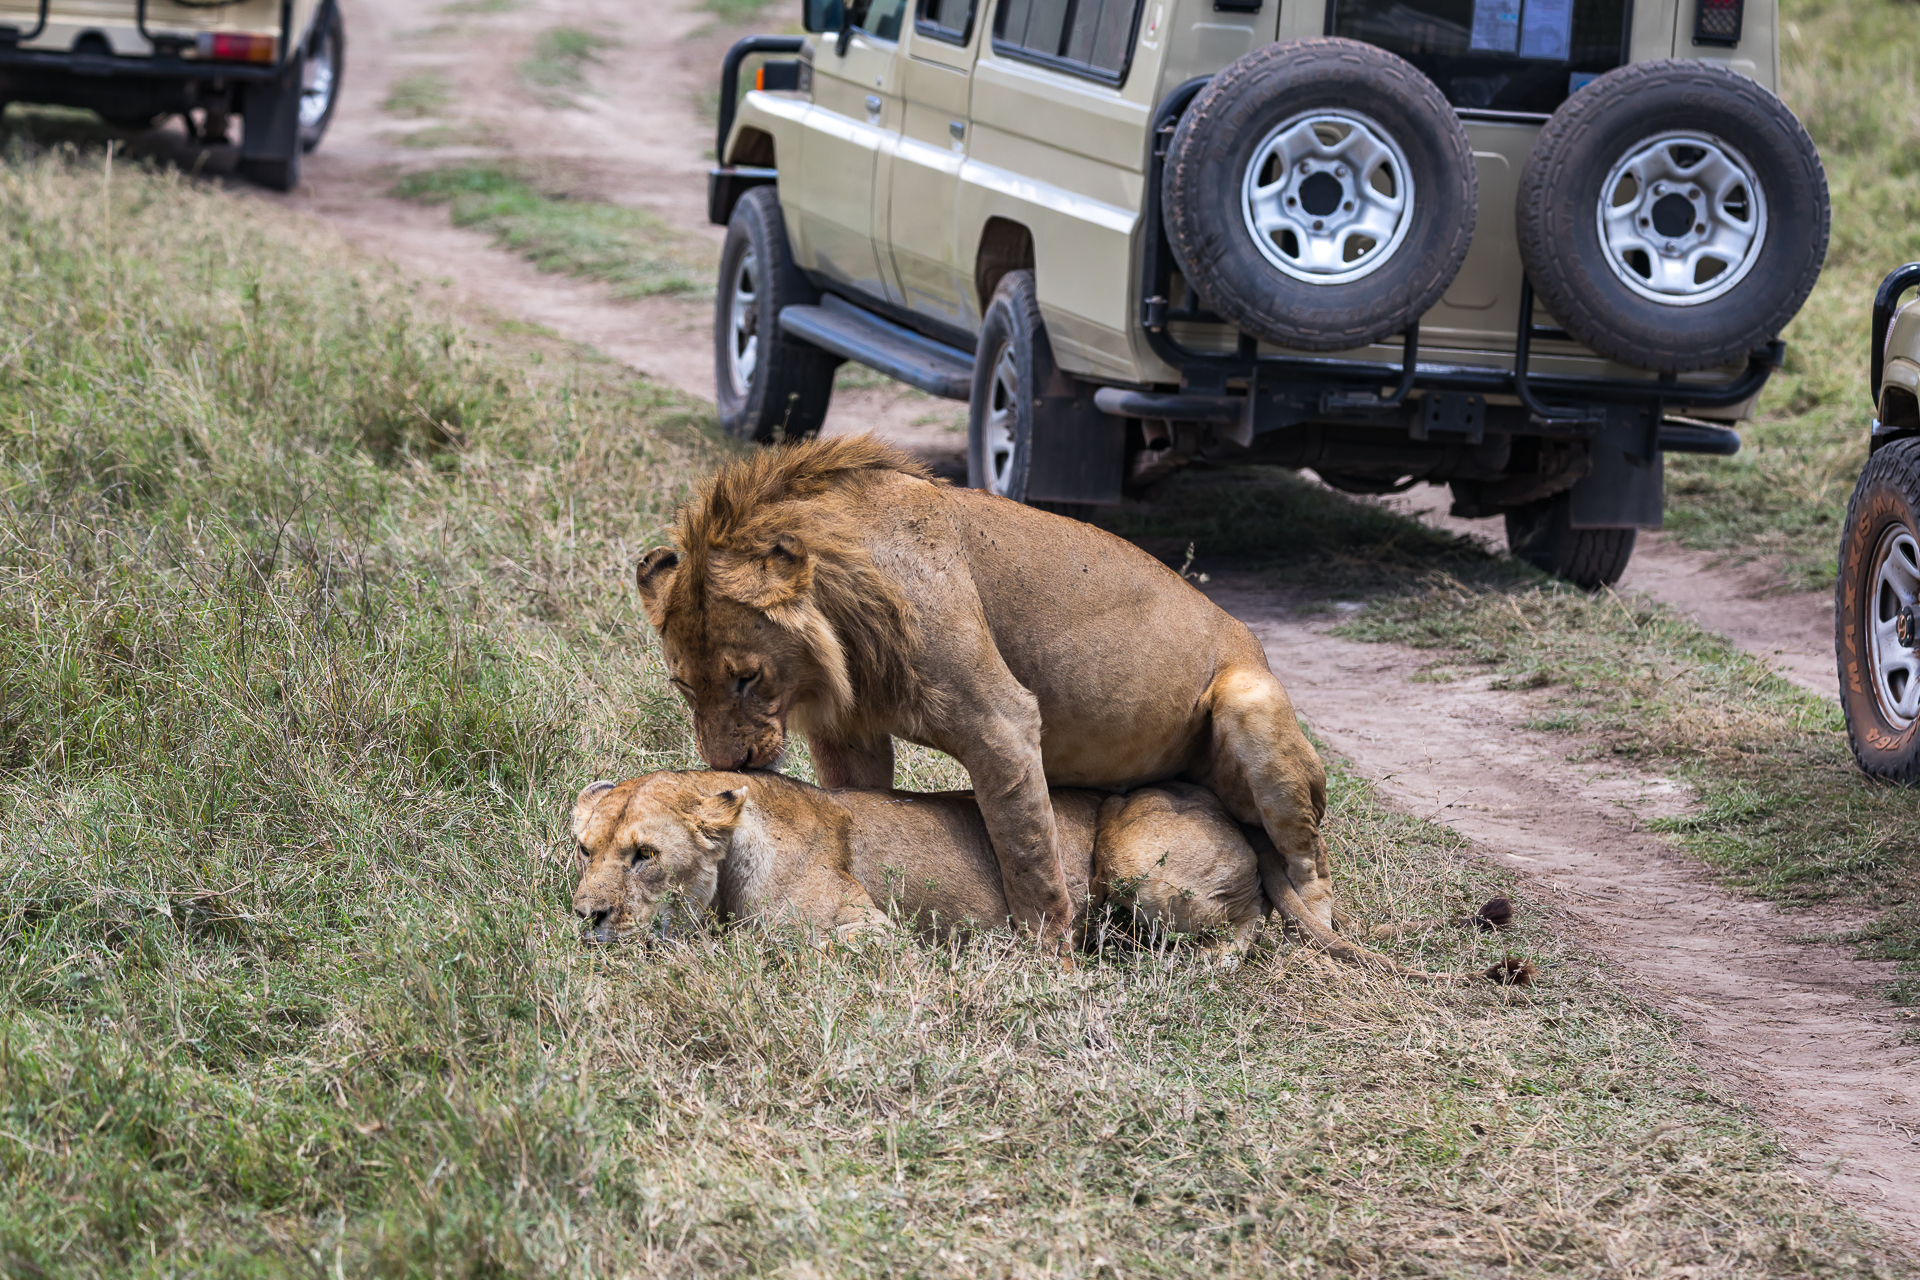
[(1793, 1026), (1796, 1027)]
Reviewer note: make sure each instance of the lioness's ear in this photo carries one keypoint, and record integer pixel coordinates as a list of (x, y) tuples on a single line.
[(584, 805), (718, 815), (654, 576), (768, 576)]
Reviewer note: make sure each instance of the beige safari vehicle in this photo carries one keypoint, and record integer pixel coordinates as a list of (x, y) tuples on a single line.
[(1876, 605), (274, 63), (1522, 248)]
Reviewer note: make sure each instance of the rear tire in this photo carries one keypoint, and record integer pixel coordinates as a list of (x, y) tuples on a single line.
[(1874, 607), (1542, 534), (326, 62), (767, 387), (1707, 260), (1014, 361)]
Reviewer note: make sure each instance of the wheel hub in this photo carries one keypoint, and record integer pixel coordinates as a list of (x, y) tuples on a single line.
[(1327, 197), (1682, 218), (1892, 627), (743, 323)]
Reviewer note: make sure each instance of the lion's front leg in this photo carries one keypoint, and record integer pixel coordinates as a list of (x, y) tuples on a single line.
[(852, 762), (1010, 786), (1266, 772)]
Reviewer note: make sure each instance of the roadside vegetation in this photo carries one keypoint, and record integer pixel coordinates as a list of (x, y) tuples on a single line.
[(314, 614), (1848, 72), (556, 70), (633, 250), (419, 96)]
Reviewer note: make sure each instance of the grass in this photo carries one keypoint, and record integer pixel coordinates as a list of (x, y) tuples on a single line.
[(556, 70), (1848, 72), (631, 249), (419, 96), (314, 612), (1782, 809), (735, 12)]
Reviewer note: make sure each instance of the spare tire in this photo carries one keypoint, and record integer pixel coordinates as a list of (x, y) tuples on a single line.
[(1320, 194), (1673, 215)]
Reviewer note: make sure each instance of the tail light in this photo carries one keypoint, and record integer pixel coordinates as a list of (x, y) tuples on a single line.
[(1717, 22), (223, 46)]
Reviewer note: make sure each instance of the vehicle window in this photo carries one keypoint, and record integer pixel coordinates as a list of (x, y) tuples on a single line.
[(950, 20), (1090, 37), (1502, 55), (880, 19)]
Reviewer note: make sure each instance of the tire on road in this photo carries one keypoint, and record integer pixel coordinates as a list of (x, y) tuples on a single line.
[(1542, 534), (1673, 215), (1013, 363), (1876, 632), (767, 386), (1320, 193), (326, 63)]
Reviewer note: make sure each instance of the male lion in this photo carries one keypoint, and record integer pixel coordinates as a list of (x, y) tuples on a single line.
[(833, 585), (759, 845)]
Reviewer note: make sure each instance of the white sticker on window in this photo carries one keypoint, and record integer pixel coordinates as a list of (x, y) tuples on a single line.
[(1496, 25), (1547, 31)]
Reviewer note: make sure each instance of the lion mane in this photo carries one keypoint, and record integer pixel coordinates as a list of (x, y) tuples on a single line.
[(772, 530)]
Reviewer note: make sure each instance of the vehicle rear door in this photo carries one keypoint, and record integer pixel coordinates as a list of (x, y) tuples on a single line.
[(926, 166), (854, 120)]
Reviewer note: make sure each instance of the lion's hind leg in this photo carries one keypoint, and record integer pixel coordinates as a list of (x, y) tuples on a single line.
[(1175, 857)]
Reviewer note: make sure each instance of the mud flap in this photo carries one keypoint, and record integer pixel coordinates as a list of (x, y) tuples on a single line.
[(1079, 453), (270, 114), (1626, 489)]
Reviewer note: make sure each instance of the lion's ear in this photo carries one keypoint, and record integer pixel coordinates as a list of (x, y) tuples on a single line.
[(767, 577), (584, 805), (654, 577), (719, 814)]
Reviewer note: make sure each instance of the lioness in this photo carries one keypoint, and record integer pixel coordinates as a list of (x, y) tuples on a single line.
[(759, 845), (835, 586)]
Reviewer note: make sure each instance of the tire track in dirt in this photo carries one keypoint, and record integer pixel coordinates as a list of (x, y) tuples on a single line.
[(1799, 1029), (1796, 1028)]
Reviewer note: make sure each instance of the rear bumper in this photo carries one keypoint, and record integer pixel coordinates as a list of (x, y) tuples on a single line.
[(26, 64)]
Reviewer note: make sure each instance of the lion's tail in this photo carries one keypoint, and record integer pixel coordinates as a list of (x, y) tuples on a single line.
[(1342, 949)]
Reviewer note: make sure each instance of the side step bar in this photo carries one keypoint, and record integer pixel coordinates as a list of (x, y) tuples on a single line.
[(838, 326)]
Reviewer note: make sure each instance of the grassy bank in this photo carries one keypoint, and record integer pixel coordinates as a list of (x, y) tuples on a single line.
[(314, 613), (1848, 72), (631, 249)]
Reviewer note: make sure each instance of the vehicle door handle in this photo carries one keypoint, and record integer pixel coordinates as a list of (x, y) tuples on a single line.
[(873, 105), (958, 128)]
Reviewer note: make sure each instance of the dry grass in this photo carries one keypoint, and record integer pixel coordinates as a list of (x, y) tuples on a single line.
[(314, 612)]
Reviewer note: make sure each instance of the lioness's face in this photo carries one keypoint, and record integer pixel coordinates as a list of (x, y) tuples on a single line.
[(742, 676), (644, 842)]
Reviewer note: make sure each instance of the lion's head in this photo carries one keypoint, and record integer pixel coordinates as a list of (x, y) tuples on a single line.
[(646, 839), (768, 606)]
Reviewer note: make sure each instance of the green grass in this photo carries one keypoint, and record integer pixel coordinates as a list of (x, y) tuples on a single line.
[(1782, 809), (556, 70), (315, 612), (632, 250), (1848, 72), (735, 12), (419, 96)]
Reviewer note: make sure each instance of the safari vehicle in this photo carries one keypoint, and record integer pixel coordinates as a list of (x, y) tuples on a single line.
[(1522, 248), (274, 63), (1876, 603)]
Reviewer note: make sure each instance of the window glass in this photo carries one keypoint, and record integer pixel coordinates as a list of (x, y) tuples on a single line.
[(948, 19), (880, 19), (1503, 55), (1090, 35)]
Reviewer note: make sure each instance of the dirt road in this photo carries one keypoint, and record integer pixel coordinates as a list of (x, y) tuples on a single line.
[(1797, 1028)]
